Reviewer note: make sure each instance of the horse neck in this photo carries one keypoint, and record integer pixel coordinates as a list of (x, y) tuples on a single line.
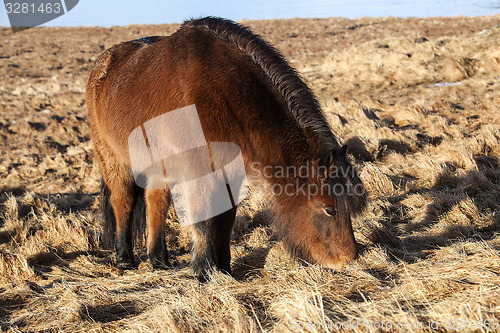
[(280, 157)]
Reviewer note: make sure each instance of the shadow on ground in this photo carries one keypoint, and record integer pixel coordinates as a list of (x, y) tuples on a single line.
[(409, 240)]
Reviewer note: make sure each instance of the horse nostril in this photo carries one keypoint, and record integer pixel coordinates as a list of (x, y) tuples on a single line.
[(336, 265), (348, 256)]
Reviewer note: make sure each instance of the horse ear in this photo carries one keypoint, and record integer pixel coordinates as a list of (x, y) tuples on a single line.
[(343, 150), (330, 164), (324, 164), (329, 159)]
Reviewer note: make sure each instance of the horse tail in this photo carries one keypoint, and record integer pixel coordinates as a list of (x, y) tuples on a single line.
[(108, 218), (138, 217)]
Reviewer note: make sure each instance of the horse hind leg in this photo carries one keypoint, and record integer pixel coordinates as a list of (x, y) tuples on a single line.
[(157, 203), (211, 244), (120, 201)]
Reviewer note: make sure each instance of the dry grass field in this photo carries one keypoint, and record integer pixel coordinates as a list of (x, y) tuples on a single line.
[(428, 153)]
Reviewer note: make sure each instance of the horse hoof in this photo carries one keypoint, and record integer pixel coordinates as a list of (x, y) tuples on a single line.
[(160, 260), (161, 265), (203, 278), (124, 266), (205, 275)]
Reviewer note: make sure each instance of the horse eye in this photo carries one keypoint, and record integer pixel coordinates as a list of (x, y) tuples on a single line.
[(330, 211)]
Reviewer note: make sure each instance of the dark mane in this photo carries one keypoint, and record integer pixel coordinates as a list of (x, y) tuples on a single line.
[(301, 101)]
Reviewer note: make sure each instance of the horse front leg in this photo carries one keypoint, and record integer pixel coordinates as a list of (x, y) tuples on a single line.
[(211, 245)]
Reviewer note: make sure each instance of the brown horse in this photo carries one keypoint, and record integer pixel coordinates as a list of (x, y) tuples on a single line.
[(245, 93)]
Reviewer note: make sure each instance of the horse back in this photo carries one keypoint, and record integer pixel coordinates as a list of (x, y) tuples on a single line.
[(138, 80)]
